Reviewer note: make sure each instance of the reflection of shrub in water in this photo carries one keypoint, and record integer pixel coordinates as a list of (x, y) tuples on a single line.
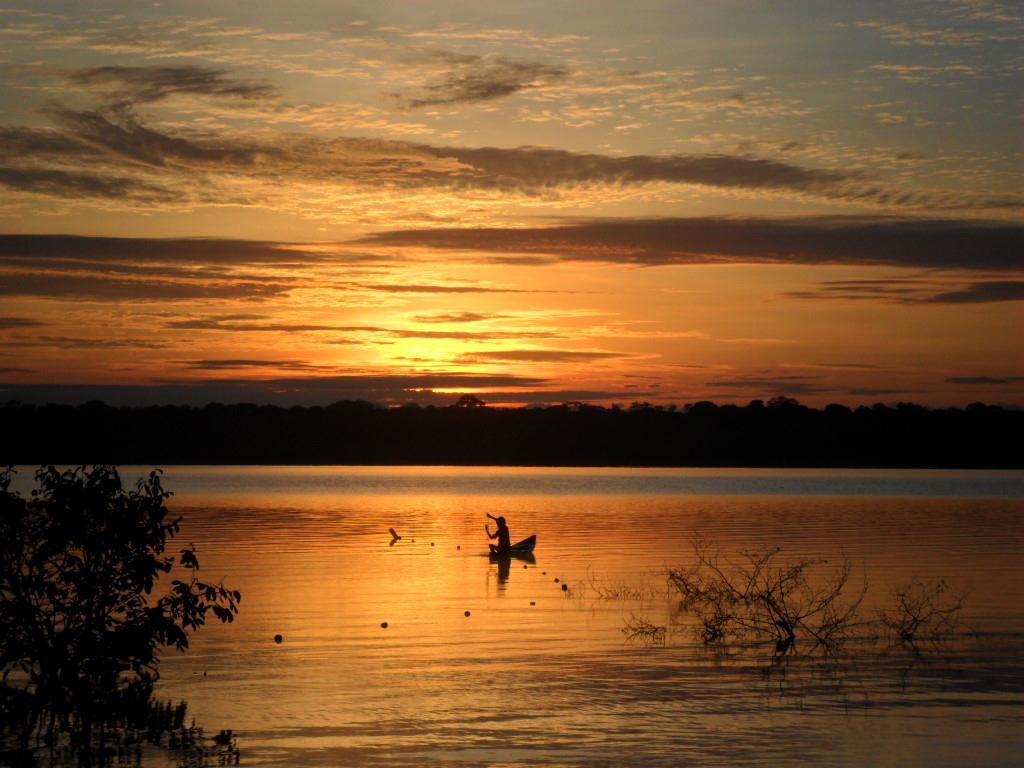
[(83, 629), (133, 718), (603, 588)]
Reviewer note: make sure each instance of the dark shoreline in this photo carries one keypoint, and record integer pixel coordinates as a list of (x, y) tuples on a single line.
[(781, 434)]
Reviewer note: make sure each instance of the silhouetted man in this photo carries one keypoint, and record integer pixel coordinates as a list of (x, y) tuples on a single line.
[(504, 546)]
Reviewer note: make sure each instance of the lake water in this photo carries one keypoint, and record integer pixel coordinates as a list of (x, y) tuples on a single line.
[(539, 676)]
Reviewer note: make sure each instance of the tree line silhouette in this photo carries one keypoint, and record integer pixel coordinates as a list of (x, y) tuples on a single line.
[(779, 433)]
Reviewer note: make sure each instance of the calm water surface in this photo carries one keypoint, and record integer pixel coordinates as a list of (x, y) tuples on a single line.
[(540, 677)]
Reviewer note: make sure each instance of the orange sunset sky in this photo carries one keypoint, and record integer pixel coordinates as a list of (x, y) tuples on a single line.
[(536, 201)]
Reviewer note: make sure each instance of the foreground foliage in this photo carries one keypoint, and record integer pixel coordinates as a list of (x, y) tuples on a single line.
[(84, 624)]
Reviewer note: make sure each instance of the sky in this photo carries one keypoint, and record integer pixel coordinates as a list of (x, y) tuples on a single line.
[(536, 202)]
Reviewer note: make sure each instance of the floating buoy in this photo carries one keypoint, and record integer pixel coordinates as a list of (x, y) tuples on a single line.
[(524, 567), (383, 625), (556, 581), (431, 543), (459, 546), (533, 602), (278, 639), (466, 614), (543, 573), (565, 587)]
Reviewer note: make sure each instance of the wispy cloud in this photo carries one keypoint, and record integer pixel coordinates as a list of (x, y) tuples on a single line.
[(303, 390), (77, 185), (258, 324), (982, 293), (144, 250), (916, 291), (920, 34), (234, 364), (221, 324), (864, 241), (984, 380), (130, 85), (457, 317), (788, 385), (78, 342), (7, 322), (112, 154), (108, 288), (148, 269), (537, 356), (476, 79), (438, 288)]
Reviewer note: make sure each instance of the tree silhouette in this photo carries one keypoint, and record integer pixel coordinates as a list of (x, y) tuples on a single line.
[(80, 560), (779, 433)]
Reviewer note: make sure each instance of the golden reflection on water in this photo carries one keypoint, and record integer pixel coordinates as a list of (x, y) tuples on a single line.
[(537, 675)]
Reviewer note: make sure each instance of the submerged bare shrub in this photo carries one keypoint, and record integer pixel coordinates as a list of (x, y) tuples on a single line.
[(761, 598), (922, 610)]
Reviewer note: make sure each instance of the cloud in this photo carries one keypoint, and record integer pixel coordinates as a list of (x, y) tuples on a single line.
[(855, 240), (247, 325), (123, 136), (792, 385), (852, 366), (128, 269), (536, 356), (151, 84), (478, 79), (22, 141), (541, 167), (221, 324), (456, 317), (231, 364), (561, 396), (140, 249), (921, 73), (296, 390), (7, 322), (114, 142), (917, 34), (915, 291), (982, 293), (984, 379), (878, 391), (82, 184), (423, 288), (76, 342), (469, 335), (105, 288)]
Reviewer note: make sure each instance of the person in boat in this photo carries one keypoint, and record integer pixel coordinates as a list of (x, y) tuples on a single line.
[(504, 545)]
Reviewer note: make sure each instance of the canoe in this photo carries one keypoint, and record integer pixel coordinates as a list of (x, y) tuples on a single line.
[(522, 548)]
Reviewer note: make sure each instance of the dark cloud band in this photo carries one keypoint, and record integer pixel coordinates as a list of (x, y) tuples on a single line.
[(862, 241)]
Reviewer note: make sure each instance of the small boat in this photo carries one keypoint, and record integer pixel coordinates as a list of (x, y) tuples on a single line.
[(521, 549)]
